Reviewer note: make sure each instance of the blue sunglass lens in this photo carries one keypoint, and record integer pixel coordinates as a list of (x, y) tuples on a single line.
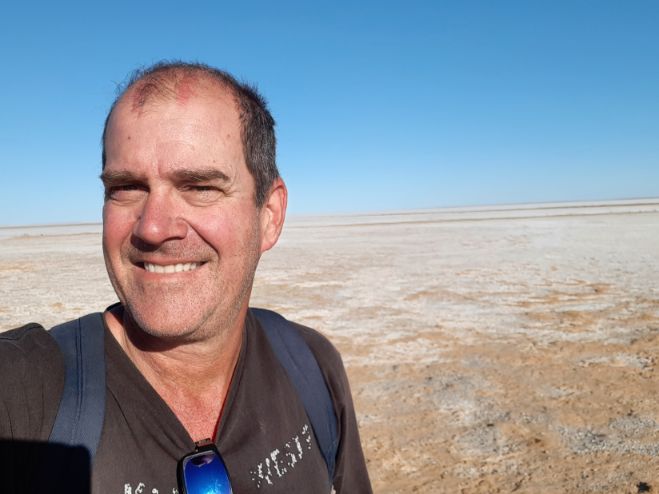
[(205, 473)]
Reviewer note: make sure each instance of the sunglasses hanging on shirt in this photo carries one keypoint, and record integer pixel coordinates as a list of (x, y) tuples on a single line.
[(203, 471)]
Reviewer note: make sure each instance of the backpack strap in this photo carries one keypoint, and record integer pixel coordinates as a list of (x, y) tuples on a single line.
[(82, 408), (302, 368)]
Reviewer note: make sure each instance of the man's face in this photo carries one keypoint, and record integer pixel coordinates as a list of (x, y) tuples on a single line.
[(181, 232)]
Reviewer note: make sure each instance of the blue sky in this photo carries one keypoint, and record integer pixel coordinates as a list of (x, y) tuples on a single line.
[(379, 105)]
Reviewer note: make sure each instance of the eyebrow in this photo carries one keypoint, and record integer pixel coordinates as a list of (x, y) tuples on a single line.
[(198, 175), (110, 178)]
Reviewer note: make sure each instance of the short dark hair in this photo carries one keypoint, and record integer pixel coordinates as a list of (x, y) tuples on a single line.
[(257, 124)]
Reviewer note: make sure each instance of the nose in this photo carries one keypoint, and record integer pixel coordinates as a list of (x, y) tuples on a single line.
[(159, 219)]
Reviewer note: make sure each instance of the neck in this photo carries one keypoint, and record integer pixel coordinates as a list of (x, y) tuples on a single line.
[(193, 378)]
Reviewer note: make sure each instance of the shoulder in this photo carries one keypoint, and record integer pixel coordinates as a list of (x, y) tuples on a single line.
[(25, 344), (321, 347), (330, 363), (31, 382), (328, 358)]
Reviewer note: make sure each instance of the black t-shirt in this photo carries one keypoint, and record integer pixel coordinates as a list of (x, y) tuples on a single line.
[(264, 435)]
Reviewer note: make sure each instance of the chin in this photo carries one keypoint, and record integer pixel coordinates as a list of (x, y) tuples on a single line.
[(165, 323)]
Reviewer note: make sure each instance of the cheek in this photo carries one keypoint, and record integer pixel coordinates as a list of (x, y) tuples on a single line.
[(230, 232), (116, 227)]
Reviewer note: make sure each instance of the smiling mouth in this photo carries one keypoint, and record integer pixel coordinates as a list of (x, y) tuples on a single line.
[(171, 268)]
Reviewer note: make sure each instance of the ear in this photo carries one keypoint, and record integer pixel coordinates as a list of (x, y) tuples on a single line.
[(272, 214)]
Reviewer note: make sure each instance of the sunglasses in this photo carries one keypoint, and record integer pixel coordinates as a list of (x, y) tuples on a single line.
[(203, 471)]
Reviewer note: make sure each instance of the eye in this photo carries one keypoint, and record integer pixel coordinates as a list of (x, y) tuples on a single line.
[(202, 193), (124, 192)]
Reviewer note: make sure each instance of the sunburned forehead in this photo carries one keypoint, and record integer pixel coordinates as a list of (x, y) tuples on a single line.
[(173, 86)]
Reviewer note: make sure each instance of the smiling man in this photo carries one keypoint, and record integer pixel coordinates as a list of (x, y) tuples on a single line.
[(192, 199)]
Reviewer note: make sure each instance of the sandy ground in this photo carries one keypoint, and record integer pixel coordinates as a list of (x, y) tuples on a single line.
[(509, 349)]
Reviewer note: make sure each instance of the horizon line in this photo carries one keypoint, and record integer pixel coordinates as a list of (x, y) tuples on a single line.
[(507, 206)]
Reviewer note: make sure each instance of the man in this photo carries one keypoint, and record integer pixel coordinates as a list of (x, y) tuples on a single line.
[(192, 199)]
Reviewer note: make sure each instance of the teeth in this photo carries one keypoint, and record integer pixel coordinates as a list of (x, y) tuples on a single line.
[(171, 268)]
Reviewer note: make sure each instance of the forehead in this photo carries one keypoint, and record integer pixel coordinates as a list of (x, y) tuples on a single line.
[(189, 117), (190, 96)]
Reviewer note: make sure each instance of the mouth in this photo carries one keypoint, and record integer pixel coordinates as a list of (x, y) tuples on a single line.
[(171, 268)]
